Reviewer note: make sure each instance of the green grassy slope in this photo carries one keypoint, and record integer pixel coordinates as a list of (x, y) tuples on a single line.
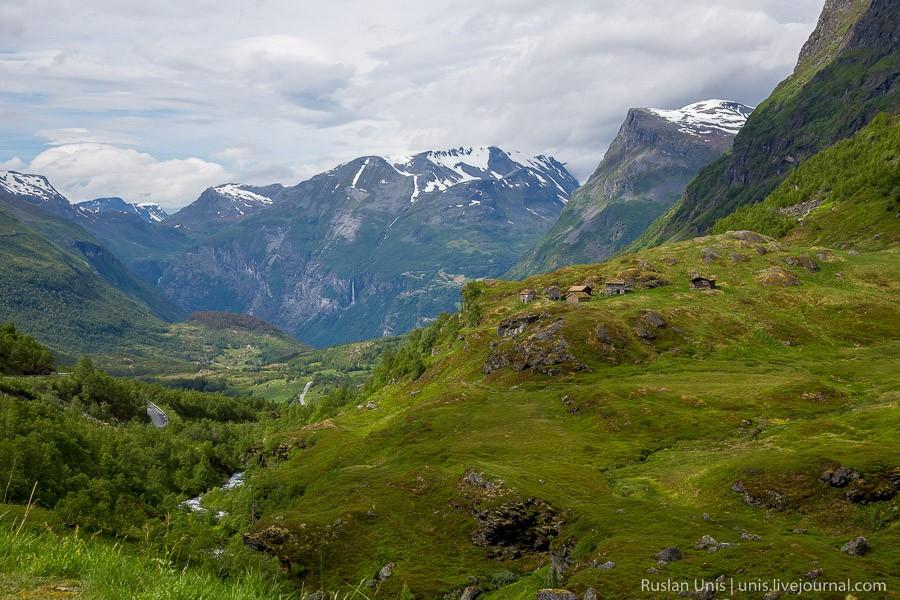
[(828, 98), (846, 194), (762, 384), (57, 297), (72, 238)]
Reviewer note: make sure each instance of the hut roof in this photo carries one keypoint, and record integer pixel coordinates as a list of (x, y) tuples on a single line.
[(615, 282), (580, 288)]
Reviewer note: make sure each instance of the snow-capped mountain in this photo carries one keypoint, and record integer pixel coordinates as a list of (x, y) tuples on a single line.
[(371, 247), (707, 117), (443, 169), (226, 203), (35, 189), (645, 170), (148, 211)]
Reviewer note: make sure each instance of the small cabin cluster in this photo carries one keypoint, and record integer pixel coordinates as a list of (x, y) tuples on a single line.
[(612, 287)]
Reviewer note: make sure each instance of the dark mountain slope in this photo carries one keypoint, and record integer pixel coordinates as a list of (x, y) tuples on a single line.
[(58, 296), (847, 74), (644, 172)]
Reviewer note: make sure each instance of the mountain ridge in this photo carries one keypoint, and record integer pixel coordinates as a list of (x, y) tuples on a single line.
[(329, 259), (644, 171)]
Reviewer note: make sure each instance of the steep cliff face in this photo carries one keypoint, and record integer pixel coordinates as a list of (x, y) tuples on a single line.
[(375, 246), (846, 75), (646, 169)]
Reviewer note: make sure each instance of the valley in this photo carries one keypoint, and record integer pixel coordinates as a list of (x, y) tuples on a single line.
[(459, 374)]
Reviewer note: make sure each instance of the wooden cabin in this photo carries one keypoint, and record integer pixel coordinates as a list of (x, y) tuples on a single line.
[(699, 282), (527, 295), (578, 293), (616, 287), (553, 293)]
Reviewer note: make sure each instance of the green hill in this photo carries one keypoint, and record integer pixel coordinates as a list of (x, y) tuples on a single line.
[(848, 194), (604, 431), (56, 296)]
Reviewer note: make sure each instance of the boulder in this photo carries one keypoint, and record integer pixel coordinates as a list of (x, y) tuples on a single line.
[(709, 543), (858, 547), (590, 594), (706, 542), (839, 476), (776, 276), (607, 566), (470, 593), (747, 236), (814, 574), (670, 554), (543, 351), (804, 262), (647, 325), (553, 594), (709, 255), (269, 539), (766, 498), (515, 325), (871, 489), (517, 527), (749, 537), (737, 257), (386, 571)]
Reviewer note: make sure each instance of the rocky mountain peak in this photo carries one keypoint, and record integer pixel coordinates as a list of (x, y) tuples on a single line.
[(707, 117), (147, 211)]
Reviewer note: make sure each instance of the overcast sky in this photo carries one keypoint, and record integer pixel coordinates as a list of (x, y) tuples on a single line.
[(155, 101)]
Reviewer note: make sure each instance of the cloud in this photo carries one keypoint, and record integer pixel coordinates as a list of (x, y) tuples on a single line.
[(82, 171), (301, 86), (13, 164)]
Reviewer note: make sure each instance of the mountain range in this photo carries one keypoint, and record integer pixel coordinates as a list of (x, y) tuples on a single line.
[(371, 247)]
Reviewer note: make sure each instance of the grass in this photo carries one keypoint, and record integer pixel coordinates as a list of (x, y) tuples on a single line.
[(650, 440), (41, 563)]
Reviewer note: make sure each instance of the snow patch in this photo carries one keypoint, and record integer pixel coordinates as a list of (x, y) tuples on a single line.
[(701, 118), (238, 192), (22, 184)]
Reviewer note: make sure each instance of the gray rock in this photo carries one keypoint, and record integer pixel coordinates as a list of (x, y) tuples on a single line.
[(470, 593), (319, 595), (804, 262), (858, 547), (386, 571), (747, 236), (653, 571), (814, 574), (839, 476), (706, 542), (749, 537), (515, 325), (672, 553), (709, 543), (607, 566), (552, 594), (590, 594)]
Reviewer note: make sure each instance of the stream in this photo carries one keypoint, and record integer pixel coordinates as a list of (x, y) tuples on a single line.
[(195, 504)]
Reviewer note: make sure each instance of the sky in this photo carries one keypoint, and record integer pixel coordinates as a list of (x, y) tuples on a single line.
[(155, 101)]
